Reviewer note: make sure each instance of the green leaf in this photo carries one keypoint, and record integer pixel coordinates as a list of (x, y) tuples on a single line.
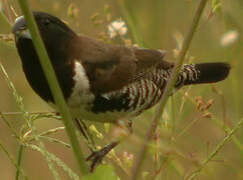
[(102, 172), (216, 6), (215, 2)]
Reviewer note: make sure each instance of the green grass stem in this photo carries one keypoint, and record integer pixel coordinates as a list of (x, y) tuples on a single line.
[(5, 21), (28, 120), (19, 159), (54, 86), (131, 23), (215, 151), (19, 168), (155, 120)]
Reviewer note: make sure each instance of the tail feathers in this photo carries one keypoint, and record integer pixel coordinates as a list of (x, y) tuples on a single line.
[(209, 73)]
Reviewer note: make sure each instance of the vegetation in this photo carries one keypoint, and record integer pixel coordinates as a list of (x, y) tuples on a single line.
[(195, 137)]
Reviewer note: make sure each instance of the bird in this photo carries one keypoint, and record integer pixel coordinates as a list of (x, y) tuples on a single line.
[(103, 82)]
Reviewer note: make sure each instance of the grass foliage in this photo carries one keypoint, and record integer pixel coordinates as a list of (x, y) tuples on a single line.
[(194, 138)]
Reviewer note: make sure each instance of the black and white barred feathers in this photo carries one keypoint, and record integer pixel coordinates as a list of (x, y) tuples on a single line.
[(102, 82), (147, 91)]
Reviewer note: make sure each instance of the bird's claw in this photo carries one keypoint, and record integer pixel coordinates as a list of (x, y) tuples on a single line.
[(97, 156)]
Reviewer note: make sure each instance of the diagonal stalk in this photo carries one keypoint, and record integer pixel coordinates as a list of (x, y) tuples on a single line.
[(155, 120), (54, 86)]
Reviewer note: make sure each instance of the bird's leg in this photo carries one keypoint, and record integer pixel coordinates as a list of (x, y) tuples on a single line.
[(81, 129), (89, 135), (85, 132), (97, 156)]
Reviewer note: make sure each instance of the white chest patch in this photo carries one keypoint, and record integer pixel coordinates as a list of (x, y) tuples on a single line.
[(81, 91)]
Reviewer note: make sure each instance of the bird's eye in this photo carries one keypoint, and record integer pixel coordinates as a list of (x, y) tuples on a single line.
[(46, 22)]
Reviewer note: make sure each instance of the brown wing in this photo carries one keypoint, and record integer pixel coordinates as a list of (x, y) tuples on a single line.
[(148, 59), (112, 67)]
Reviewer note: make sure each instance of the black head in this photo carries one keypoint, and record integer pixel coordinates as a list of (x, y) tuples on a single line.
[(61, 46), (47, 23), (54, 32)]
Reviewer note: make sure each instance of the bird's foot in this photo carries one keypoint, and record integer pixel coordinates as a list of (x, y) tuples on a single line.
[(97, 156)]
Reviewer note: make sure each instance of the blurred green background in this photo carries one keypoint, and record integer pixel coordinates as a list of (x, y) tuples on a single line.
[(187, 135)]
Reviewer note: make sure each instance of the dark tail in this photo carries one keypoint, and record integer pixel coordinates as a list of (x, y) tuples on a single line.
[(205, 73)]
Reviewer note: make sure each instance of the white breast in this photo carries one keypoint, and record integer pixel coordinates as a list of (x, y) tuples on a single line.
[(81, 91)]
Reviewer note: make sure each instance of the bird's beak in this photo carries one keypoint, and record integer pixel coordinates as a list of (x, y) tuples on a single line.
[(19, 28)]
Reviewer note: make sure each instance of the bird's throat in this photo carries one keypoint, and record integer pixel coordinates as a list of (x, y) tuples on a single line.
[(35, 75)]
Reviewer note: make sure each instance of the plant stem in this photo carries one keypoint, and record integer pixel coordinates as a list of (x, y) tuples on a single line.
[(169, 87), (4, 19), (12, 160), (27, 118), (131, 23), (215, 152), (20, 155), (54, 86)]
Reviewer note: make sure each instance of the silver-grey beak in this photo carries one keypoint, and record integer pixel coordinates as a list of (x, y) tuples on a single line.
[(19, 24), (19, 28)]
